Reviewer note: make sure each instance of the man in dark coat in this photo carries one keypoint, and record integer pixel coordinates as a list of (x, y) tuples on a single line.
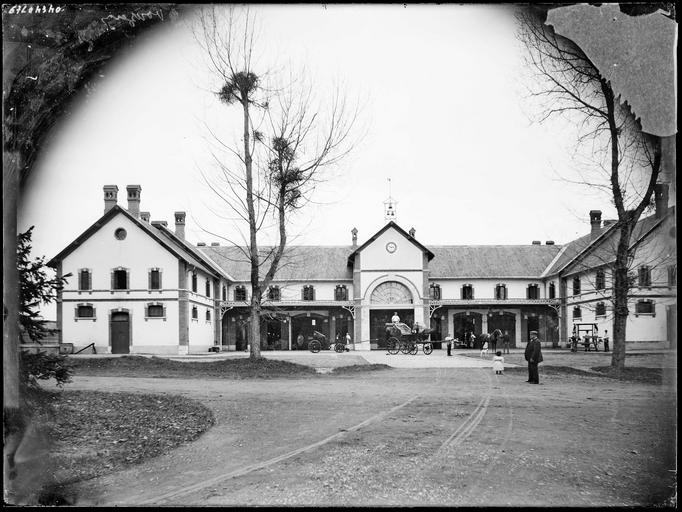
[(496, 336), (533, 356)]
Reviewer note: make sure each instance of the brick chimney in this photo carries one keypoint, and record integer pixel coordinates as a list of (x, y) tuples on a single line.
[(110, 197), (180, 225), (134, 200), (595, 222), (354, 232), (412, 232), (145, 216), (661, 198)]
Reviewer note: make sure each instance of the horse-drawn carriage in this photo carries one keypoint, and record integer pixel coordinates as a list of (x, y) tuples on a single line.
[(406, 339)]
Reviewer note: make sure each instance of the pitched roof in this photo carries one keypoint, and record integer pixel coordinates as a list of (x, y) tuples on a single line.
[(166, 243), (400, 230), (489, 261), (331, 262), (186, 246), (300, 263), (604, 249)]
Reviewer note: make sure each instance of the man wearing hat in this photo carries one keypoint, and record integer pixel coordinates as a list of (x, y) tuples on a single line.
[(533, 356)]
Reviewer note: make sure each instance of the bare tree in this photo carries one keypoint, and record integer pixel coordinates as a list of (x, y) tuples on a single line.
[(286, 143), (626, 161)]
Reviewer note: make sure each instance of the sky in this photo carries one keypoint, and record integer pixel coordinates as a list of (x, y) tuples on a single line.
[(444, 115)]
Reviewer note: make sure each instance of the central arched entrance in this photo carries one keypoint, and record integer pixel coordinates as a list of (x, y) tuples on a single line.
[(387, 299)]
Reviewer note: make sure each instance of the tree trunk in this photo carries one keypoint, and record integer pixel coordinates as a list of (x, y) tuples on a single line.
[(621, 288), (254, 318), (12, 419)]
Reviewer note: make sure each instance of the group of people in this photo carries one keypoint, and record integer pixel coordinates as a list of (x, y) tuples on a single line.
[(490, 341)]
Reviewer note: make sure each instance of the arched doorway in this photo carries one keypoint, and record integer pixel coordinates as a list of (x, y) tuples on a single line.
[(303, 326), (505, 322), (466, 322)]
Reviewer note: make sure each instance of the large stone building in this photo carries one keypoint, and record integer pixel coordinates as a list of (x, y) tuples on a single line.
[(140, 287)]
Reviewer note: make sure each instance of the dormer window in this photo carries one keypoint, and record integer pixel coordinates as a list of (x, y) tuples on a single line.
[(467, 292), (501, 291)]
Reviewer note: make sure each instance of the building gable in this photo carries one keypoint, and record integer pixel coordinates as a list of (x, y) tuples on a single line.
[(384, 239)]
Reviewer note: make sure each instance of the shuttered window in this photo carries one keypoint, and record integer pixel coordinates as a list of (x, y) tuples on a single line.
[(84, 279), (119, 279), (308, 293), (155, 279)]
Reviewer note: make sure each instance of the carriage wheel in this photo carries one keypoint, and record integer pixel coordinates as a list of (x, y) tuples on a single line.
[(314, 346), (427, 348), (339, 347), (405, 347), (393, 346), (413, 349)]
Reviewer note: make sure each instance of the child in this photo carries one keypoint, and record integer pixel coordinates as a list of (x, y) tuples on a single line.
[(498, 363), (484, 349)]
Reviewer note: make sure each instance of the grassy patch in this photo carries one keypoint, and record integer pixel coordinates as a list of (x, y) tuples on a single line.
[(634, 374), (97, 432), (139, 366), (359, 368)]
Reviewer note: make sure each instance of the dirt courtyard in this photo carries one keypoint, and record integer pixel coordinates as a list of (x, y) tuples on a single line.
[(409, 437)]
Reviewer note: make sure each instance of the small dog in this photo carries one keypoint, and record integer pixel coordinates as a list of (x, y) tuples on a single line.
[(484, 350)]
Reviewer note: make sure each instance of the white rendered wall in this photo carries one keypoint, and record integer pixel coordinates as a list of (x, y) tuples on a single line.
[(138, 252)]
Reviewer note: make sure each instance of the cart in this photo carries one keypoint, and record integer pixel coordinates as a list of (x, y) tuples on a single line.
[(318, 341), (586, 335), (405, 339)]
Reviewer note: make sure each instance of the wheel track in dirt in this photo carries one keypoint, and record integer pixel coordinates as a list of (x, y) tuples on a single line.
[(275, 460), (460, 434)]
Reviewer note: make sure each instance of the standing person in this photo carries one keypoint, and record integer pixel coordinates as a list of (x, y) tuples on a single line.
[(472, 340), (505, 342), (348, 341), (498, 363), (497, 334), (534, 357), (606, 340), (484, 348)]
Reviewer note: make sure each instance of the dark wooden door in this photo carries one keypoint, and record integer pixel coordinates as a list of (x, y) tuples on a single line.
[(120, 333)]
